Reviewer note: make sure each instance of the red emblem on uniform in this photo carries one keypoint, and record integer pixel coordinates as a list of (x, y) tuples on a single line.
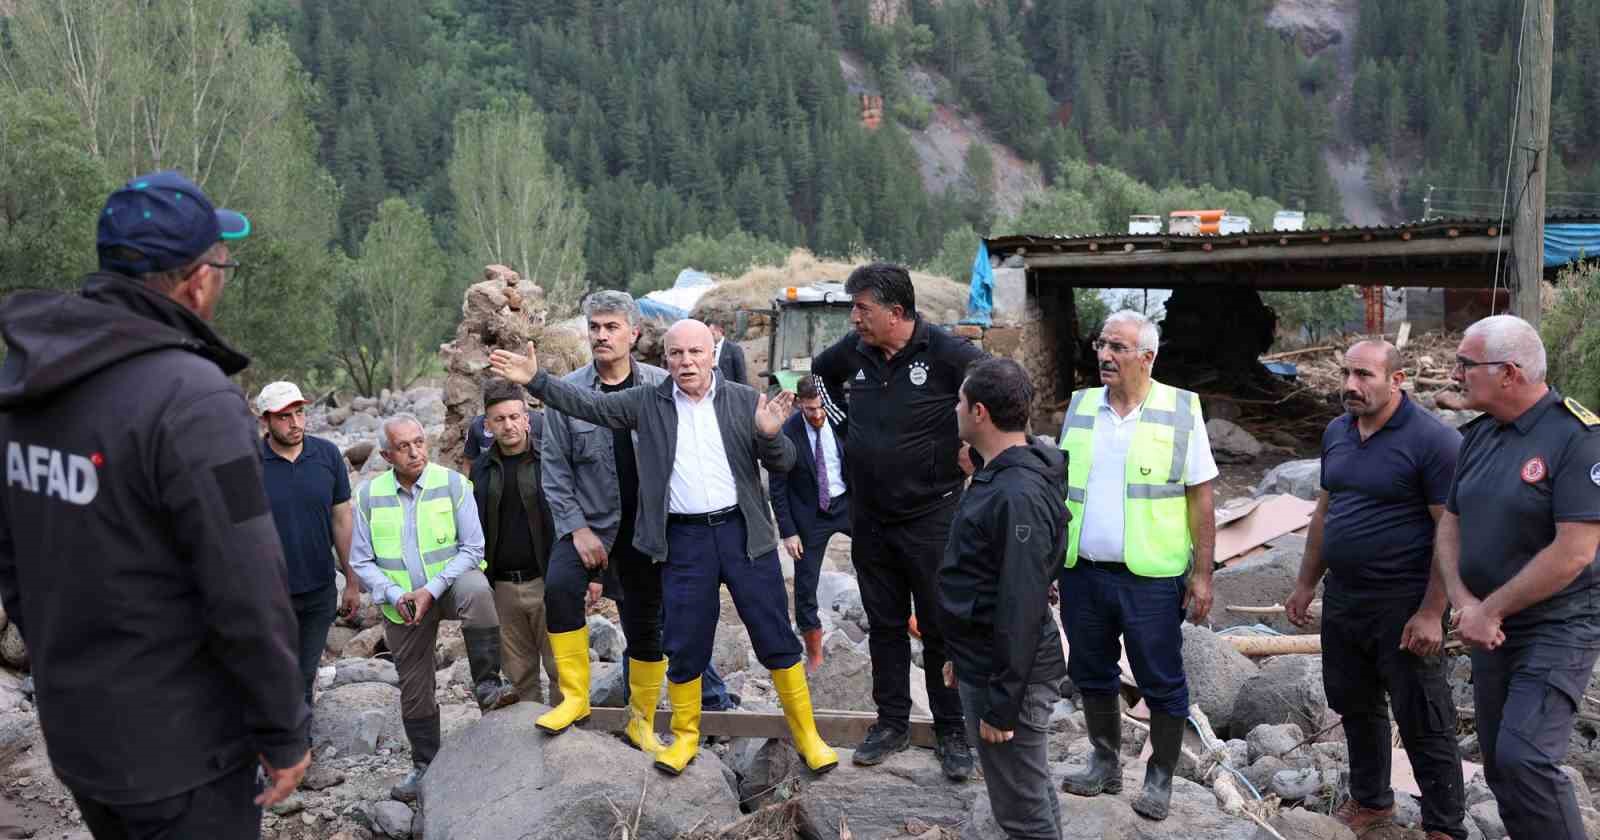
[(1533, 470)]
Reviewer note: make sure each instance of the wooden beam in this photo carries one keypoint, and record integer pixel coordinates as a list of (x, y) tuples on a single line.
[(1263, 254), (839, 729), (1530, 156)]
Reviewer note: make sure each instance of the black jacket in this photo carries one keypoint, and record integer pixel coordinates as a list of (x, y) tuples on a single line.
[(731, 363), (488, 482), (1004, 550), (138, 554), (794, 493), (901, 419)]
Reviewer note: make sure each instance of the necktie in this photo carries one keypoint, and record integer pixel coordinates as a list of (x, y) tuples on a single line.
[(822, 475)]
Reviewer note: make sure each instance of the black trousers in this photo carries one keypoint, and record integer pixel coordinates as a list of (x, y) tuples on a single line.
[(897, 567), (814, 549), (223, 809), (567, 582), (1361, 661), (1526, 697)]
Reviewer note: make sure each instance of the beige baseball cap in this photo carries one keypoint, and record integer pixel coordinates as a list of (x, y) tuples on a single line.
[(278, 396)]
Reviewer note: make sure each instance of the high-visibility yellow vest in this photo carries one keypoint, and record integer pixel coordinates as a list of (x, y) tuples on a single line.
[(1155, 511), (438, 492)]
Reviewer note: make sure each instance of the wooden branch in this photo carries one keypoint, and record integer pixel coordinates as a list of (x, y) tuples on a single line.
[(1272, 357), (1275, 645)]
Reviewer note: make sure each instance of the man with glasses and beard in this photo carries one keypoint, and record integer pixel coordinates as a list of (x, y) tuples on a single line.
[(1386, 471)]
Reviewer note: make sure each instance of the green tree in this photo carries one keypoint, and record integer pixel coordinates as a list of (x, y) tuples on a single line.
[(1571, 329), (514, 205), (396, 279), (49, 196)]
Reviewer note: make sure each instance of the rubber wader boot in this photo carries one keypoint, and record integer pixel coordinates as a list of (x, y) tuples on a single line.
[(1166, 745), (423, 733), (644, 689), (572, 673), (1103, 714), (795, 698), (483, 660), (685, 698)]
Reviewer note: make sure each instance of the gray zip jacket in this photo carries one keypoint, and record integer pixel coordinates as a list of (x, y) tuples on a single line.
[(650, 410), (580, 465)]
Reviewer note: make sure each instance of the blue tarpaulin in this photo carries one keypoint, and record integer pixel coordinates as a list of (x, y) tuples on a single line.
[(980, 302), (1565, 243)]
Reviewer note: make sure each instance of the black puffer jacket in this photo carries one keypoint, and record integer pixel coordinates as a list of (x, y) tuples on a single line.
[(138, 555), (1004, 550)]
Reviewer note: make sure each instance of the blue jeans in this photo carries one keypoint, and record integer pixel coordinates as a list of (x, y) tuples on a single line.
[(1098, 604), (315, 611)]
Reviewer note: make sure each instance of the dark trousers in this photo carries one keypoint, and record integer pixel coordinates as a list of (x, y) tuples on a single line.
[(1016, 773), (814, 549), (897, 569), (1361, 660), (314, 611), (1099, 603), (700, 559), (1525, 698), (222, 809)]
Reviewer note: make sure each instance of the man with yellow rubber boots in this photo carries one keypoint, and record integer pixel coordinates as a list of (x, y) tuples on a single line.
[(418, 548), (1139, 552)]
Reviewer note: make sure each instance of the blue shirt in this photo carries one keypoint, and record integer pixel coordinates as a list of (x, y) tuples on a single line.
[(1377, 538), (303, 493)]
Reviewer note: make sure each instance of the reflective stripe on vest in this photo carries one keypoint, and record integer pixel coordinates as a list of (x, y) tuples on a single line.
[(1155, 511), (438, 492)]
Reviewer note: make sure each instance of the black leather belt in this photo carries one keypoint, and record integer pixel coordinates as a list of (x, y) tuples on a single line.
[(514, 576), (715, 517), (1106, 565)]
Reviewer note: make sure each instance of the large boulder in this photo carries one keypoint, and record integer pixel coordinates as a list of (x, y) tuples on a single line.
[(1215, 672), (1288, 690), (877, 801), (350, 671), (1262, 580), (605, 639), (1301, 478), (341, 717), (844, 682), (502, 778), (837, 591), (1231, 444)]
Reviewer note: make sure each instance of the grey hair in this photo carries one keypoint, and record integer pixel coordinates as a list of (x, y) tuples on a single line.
[(613, 302), (1149, 333), (384, 443), (1507, 338)]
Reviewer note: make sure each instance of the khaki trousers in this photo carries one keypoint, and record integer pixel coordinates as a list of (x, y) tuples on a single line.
[(524, 639), (470, 601)]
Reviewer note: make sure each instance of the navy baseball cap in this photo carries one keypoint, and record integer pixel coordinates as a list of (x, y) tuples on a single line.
[(159, 222)]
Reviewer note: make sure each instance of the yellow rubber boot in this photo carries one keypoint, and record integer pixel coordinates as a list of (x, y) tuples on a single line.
[(796, 699), (572, 672), (644, 689), (685, 699)]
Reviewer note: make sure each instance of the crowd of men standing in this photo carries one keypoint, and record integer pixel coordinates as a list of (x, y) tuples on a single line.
[(174, 559)]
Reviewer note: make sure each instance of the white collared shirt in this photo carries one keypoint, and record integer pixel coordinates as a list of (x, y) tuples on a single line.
[(702, 480), (830, 456), (1103, 508)]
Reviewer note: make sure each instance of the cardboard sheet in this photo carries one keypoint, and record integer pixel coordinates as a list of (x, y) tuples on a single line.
[(1261, 523)]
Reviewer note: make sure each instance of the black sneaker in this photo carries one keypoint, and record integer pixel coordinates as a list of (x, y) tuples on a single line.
[(881, 742), (955, 755)]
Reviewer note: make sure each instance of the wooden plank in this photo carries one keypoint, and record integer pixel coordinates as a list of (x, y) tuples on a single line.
[(838, 728), (1267, 253)]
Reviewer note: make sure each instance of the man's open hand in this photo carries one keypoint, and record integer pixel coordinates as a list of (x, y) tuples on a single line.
[(510, 366)]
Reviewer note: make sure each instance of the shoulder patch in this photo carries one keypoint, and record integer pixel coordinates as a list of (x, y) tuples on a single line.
[(1584, 415)]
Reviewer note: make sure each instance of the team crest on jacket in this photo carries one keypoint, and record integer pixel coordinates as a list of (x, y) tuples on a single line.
[(1533, 470), (919, 373), (1024, 532), (1594, 474)]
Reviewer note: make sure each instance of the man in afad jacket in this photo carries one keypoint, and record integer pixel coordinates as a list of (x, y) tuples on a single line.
[(138, 555), (1005, 546), (418, 548)]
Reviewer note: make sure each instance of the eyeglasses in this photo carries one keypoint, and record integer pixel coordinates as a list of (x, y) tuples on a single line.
[(1468, 364), (1117, 347), (230, 265)]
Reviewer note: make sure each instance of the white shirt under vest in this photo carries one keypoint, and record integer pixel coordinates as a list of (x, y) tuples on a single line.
[(701, 480)]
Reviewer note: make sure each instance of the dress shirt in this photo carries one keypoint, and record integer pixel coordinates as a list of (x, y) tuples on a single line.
[(469, 549), (701, 480)]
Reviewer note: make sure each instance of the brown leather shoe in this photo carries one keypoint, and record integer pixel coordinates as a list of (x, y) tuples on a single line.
[(813, 640), (1359, 819), (1437, 835)]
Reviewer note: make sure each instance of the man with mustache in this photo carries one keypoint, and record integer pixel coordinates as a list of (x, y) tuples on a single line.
[(1386, 471), (1517, 550), (1139, 550)]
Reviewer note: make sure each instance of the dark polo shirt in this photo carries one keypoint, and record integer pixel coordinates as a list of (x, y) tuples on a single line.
[(1514, 482), (1377, 538), (303, 493)]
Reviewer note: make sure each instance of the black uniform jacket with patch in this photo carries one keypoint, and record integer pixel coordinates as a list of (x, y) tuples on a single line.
[(1004, 549), (138, 554)]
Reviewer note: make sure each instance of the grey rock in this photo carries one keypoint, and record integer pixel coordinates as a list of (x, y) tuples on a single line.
[(1231, 444), (764, 768), (1273, 739), (289, 807), (348, 671), (1288, 690), (392, 818), (1295, 785), (339, 636), (364, 404), (364, 644), (1478, 790), (1062, 717), (322, 777), (1301, 824), (368, 729), (1194, 814), (836, 591), (13, 651), (1262, 580), (877, 800), (844, 681), (1215, 673), (337, 416), (577, 777), (1297, 478), (361, 426), (605, 639), (338, 717), (1330, 755), (731, 649), (1487, 816), (1407, 810), (1260, 772), (606, 685), (1238, 753)]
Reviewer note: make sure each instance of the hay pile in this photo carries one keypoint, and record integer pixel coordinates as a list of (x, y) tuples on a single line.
[(939, 299)]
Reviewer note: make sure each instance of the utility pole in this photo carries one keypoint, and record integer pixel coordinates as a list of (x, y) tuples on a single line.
[(1530, 157)]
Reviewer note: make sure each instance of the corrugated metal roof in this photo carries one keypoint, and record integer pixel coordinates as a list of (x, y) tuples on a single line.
[(1001, 244)]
